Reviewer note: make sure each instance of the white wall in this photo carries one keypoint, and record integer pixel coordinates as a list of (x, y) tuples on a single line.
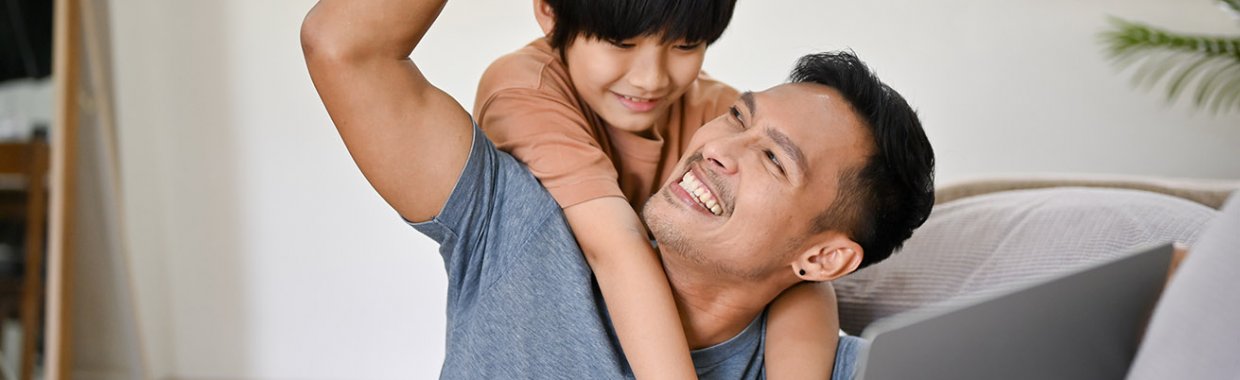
[(24, 103), (261, 253)]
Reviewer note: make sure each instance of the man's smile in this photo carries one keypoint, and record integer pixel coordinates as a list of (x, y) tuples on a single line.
[(700, 193)]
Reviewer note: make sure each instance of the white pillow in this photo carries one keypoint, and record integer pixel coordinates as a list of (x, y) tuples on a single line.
[(1193, 333), (983, 244)]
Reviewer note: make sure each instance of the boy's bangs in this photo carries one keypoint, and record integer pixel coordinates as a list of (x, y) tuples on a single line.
[(615, 20)]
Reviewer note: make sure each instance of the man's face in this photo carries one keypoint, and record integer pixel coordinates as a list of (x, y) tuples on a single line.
[(754, 179), (632, 84)]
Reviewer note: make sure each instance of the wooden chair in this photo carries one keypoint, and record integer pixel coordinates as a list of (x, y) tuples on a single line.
[(29, 162)]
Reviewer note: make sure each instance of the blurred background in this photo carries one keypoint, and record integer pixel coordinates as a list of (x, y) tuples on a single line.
[(230, 236)]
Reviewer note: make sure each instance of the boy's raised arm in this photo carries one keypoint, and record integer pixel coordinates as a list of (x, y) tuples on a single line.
[(410, 139)]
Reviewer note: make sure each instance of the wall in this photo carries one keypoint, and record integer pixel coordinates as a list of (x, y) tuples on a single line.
[(103, 332), (260, 252), (24, 103)]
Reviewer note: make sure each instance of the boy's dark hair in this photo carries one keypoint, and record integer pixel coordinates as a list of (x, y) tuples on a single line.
[(618, 20), (879, 204)]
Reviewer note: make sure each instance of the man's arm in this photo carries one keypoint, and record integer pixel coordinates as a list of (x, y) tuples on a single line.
[(410, 139)]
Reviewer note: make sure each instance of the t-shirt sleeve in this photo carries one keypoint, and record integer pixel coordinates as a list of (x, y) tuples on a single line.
[(492, 211), (549, 133)]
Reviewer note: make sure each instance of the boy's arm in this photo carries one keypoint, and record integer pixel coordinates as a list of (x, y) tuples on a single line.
[(410, 139), (634, 287), (802, 333)]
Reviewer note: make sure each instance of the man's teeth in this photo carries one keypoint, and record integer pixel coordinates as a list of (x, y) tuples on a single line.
[(694, 186)]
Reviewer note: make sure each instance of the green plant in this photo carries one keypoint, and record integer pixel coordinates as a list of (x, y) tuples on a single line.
[(1211, 64)]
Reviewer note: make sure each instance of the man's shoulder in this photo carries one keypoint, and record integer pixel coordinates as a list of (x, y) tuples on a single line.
[(493, 191), (521, 298)]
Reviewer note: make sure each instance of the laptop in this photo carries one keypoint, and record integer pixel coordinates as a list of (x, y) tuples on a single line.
[(1086, 324)]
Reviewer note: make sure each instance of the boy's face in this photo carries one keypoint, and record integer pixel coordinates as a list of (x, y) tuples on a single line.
[(631, 84)]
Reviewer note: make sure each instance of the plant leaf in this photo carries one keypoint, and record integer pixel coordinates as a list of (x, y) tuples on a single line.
[(1179, 61), (1233, 4), (1177, 82), (1229, 96), (1213, 82)]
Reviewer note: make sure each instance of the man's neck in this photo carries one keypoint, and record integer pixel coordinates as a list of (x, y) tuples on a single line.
[(714, 309)]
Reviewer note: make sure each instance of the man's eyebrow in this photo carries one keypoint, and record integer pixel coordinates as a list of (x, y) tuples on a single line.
[(787, 146), (747, 98)]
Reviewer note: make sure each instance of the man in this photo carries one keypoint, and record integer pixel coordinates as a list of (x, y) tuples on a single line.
[(814, 178)]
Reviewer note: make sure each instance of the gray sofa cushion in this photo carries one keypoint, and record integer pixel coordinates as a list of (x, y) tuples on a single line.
[(975, 246), (1195, 330)]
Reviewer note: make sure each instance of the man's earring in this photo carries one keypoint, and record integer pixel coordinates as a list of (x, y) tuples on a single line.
[(802, 272)]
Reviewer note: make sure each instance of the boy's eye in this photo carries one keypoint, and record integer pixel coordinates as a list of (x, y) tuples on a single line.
[(688, 47), (621, 44)]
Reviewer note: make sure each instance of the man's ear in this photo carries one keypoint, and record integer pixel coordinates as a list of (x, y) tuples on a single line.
[(545, 16), (832, 258)]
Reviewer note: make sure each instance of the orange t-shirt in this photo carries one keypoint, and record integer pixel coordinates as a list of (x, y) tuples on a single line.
[(527, 105)]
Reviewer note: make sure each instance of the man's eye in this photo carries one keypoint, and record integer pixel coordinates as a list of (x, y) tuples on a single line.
[(736, 113), (775, 160)]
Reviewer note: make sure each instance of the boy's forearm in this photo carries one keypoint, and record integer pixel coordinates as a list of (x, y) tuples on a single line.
[(640, 303), (802, 333), (635, 289)]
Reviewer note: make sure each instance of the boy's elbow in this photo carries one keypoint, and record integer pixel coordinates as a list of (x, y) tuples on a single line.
[(597, 258)]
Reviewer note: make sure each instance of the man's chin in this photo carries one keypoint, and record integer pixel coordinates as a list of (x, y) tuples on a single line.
[(654, 215), (671, 236)]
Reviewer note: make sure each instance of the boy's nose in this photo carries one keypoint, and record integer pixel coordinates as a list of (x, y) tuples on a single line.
[(649, 73)]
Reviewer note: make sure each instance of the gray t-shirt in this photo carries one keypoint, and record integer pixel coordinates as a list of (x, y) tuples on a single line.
[(522, 302)]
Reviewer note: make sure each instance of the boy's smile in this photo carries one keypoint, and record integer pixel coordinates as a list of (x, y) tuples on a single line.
[(636, 104), (632, 84)]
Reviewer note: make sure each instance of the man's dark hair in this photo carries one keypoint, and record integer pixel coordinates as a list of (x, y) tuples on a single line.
[(879, 204), (618, 20)]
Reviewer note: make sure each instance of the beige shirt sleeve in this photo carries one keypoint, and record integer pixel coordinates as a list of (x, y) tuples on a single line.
[(553, 138), (716, 97)]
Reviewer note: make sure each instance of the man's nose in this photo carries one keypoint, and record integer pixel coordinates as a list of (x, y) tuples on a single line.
[(720, 156), (649, 71)]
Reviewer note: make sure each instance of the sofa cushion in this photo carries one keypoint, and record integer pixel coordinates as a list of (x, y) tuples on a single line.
[(1193, 333), (979, 245)]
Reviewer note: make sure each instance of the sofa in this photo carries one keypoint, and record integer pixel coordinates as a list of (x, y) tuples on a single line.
[(987, 235)]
